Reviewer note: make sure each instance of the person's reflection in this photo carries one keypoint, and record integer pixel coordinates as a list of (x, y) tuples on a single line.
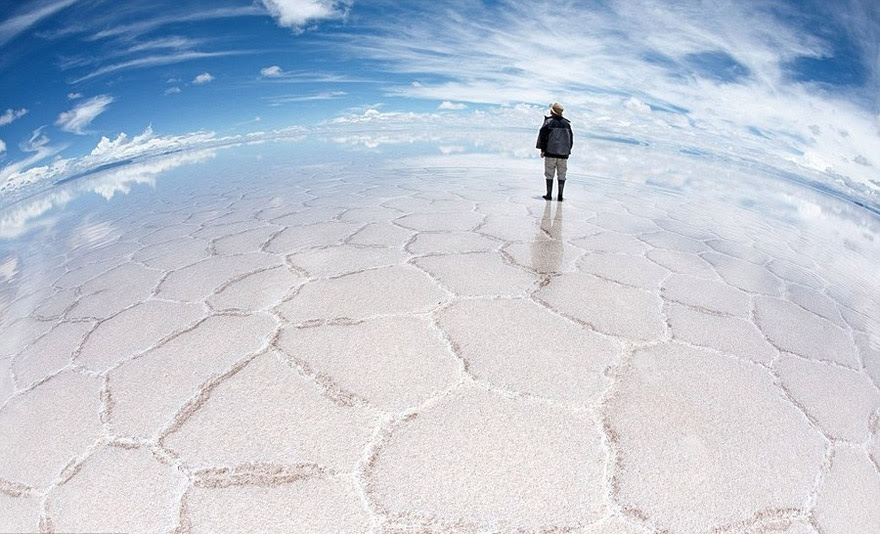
[(547, 247)]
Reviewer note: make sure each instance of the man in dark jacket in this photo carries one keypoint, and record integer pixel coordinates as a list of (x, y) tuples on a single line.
[(555, 141)]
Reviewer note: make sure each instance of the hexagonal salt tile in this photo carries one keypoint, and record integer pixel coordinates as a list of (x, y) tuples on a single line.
[(487, 462), (249, 241), (50, 353), (451, 243), (744, 275), (706, 294), (606, 306), (381, 234), (626, 269), (387, 290), (739, 250), (45, 428), (134, 330), (343, 259), (612, 242), (18, 334), (816, 302), (793, 329), (392, 362), (672, 241), (478, 274), (313, 235), (544, 255), (174, 254), (847, 501), (20, 513), (705, 440), (127, 490), (681, 263), (267, 412), (728, 334), (526, 348), (438, 222), (510, 228), (257, 291), (115, 290), (840, 400)]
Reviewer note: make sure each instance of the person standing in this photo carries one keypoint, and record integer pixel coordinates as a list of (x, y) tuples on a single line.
[(555, 140)]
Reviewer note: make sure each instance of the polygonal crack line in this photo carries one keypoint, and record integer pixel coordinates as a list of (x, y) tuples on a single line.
[(788, 396), (73, 466), (161, 342), (204, 391), (450, 294), (385, 427), (812, 497), (610, 444), (764, 518), (325, 384), (17, 489), (580, 323)]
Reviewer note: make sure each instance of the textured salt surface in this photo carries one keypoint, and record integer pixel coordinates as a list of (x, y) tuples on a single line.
[(437, 350)]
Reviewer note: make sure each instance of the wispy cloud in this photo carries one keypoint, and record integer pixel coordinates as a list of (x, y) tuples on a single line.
[(2, 147), (36, 142), (172, 90), (446, 104), (203, 78), (80, 117), (19, 23), (170, 42), (296, 13), (137, 29), (271, 72), (12, 114), (152, 61), (74, 96), (287, 99)]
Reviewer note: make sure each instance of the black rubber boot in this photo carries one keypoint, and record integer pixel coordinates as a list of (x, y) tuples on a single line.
[(561, 187), (549, 195)]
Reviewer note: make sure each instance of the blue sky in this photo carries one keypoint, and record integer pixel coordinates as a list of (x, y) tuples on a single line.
[(806, 73)]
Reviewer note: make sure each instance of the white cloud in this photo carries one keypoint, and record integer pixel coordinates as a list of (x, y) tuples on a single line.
[(446, 104), (296, 13), (37, 141), (81, 116), (287, 99), (2, 147), (11, 114), (74, 96), (152, 61), (637, 106), (172, 90), (203, 78), (17, 24), (271, 72)]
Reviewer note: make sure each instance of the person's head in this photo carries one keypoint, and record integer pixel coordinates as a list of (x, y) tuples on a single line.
[(556, 108)]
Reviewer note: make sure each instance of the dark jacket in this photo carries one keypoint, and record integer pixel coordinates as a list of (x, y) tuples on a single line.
[(555, 138)]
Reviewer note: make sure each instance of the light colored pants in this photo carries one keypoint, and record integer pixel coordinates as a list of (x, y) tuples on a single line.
[(559, 165)]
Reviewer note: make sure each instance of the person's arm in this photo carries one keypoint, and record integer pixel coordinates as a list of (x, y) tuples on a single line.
[(542, 139)]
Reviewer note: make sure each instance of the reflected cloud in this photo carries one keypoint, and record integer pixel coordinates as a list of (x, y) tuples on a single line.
[(23, 217)]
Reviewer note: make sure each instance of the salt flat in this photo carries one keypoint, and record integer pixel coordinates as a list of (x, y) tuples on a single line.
[(436, 349)]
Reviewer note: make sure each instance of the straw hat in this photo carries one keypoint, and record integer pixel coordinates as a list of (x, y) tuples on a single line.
[(556, 108)]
